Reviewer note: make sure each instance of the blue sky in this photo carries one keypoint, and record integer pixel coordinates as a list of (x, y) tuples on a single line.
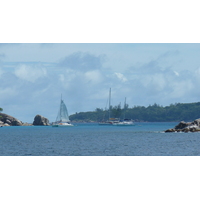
[(33, 76)]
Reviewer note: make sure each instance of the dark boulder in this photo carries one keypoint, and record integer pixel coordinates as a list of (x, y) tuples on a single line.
[(40, 121), (197, 122), (170, 130), (9, 120), (186, 127), (182, 125)]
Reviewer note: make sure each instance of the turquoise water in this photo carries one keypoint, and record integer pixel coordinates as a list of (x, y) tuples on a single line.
[(143, 139)]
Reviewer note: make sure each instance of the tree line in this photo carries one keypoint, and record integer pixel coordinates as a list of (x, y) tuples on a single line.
[(151, 113)]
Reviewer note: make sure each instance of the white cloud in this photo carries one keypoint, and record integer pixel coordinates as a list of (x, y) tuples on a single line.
[(82, 61), (121, 77), (94, 76), (158, 82), (176, 73), (30, 73), (181, 88), (67, 78)]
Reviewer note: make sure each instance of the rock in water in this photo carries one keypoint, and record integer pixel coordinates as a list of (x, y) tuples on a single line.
[(186, 127), (182, 125), (40, 121), (9, 120)]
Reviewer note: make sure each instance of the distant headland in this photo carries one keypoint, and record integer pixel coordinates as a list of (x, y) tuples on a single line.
[(177, 112)]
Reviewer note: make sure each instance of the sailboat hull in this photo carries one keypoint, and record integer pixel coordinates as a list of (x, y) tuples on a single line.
[(62, 125), (124, 124), (105, 123)]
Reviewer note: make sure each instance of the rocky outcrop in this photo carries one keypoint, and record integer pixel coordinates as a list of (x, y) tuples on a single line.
[(40, 121), (186, 127), (7, 120)]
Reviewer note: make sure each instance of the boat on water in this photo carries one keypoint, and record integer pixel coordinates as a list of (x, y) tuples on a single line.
[(62, 119), (117, 121), (125, 122), (110, 120)]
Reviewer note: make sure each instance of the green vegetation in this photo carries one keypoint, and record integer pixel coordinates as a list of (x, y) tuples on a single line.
[(152, 113)]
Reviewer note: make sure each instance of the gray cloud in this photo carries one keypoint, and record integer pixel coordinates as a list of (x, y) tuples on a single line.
[(82, 61), (169, 54)]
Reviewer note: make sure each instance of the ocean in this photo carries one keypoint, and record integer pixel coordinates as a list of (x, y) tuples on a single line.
[(143, 139)]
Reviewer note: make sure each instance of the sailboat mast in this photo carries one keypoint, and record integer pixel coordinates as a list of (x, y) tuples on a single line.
[(124, 107), (61, 108), (109, 102)]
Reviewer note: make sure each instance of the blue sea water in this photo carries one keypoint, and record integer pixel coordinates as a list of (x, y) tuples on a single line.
[(143, 139)]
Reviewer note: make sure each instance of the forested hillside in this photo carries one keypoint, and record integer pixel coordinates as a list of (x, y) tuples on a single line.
[(152, 113)]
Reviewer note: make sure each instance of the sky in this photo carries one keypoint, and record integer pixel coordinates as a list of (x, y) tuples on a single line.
[(34, 75)]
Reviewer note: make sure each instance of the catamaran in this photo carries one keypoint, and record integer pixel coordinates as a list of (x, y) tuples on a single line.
[(62, 119)]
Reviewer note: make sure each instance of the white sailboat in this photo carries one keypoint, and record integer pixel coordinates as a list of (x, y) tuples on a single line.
[(110, 120), (62, 119), (124, 122)]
